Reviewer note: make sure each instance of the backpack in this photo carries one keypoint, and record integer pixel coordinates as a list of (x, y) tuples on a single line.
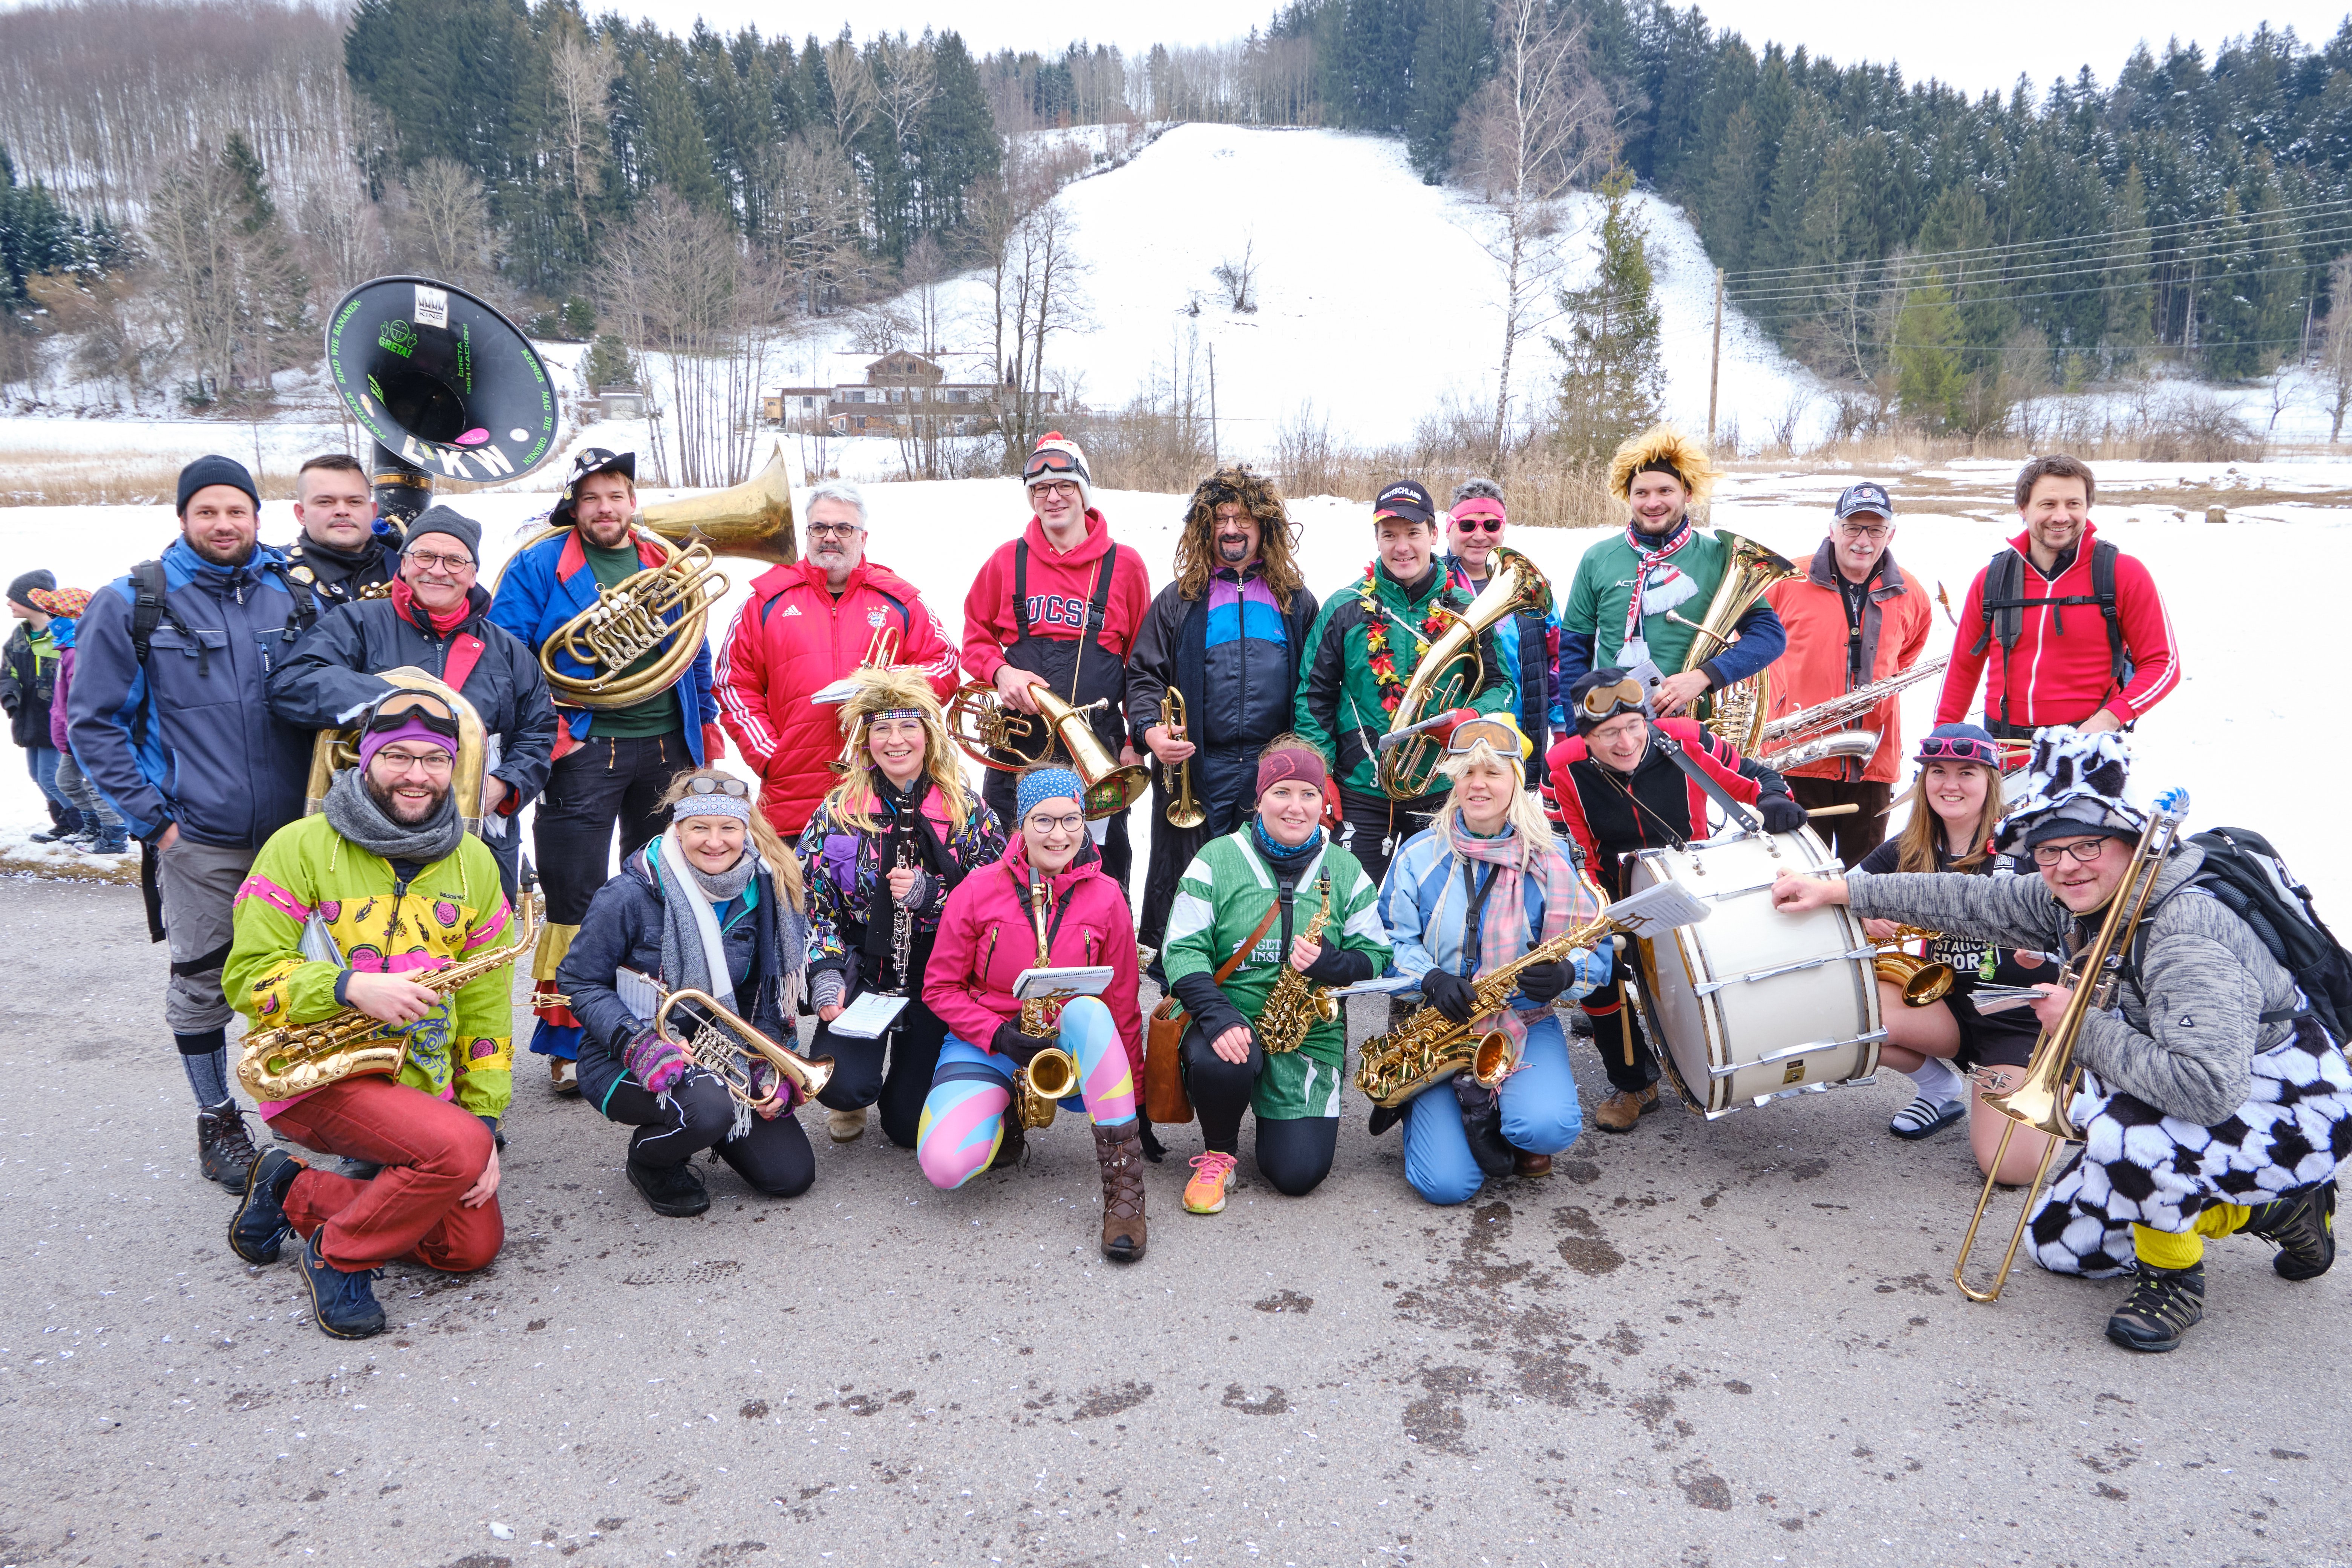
[(150, 607), (2246, 874), (2004, 607)]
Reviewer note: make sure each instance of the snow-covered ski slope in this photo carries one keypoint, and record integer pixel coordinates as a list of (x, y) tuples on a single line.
[(1378, 297)]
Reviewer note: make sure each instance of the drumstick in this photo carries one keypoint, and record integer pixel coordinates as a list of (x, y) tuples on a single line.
[(1848, 809)]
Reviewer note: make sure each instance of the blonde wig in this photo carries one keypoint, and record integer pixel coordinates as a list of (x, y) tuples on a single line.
[(1663, 444), (855, 800), (1525, 814)]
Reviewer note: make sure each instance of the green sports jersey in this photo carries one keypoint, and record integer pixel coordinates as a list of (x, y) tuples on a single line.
[(1598, 598)]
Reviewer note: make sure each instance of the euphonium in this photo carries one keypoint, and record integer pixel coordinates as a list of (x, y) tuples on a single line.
[(723, 1043), (1053, 1073), (1452, 671), (1736, 713), (1429, 1047), (984, 729), (1297, 1003), (295, 1058), (668, 604)]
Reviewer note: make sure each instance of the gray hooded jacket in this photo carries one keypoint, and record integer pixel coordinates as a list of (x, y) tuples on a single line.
[(2191, 1024)]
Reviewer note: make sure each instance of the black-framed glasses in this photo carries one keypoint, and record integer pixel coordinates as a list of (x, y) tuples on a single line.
[(398, 709), (433, 562), (1074, 823), (2086, 850), (705, 783), (834, 530)]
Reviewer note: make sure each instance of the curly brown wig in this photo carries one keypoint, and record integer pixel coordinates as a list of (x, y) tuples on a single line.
[(1196, 551)]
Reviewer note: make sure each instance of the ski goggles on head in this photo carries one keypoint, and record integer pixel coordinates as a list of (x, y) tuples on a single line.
[(1604, 702), (402, 709), (1959, 749), (1049, 462), (705, 785), (1499, 734)]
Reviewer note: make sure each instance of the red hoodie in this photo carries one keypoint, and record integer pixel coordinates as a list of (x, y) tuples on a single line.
[(793, 639), (2063, 672), (1060, 588), (986, 938)]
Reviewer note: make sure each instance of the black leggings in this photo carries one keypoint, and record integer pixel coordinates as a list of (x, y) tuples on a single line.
[(1606, 1008), (913, 1049), (601, 782), (1294, 1153), (773, 1156)]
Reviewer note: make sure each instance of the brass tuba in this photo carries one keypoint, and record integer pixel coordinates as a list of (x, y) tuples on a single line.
[(987, 732), (337, 749), (668, 604), (1736, 712), (1452, 671)]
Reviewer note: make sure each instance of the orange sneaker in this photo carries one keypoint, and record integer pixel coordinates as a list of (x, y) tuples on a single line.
[(1205, 1193)]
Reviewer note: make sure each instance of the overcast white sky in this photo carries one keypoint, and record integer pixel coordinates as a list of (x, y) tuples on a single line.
[(1977, 46)]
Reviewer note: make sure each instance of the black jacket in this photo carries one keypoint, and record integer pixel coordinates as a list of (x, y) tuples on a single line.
[(336, 575), (1237, 690), (332, 671), (624, 930), (26, 684)]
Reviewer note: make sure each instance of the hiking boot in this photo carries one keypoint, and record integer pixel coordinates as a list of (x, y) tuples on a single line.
[(672, 1190), (345, 1304), (846, 1126), (1119, 1152), (1621, 1109), (1013, 1144), (259, 1223), (1211, 1173), (223, 1148), (1528, 1165), (2304, 1226), (564, 1074), (2164, 1306), (1481, 1122)]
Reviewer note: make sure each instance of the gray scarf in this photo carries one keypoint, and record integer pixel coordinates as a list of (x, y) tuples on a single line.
[(353, 812), (693, 955)]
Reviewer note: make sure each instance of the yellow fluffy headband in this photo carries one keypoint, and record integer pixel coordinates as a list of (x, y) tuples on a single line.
[(1662, 444)]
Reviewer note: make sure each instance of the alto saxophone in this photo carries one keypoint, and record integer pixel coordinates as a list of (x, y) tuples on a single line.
[(295, 1058), (1429, 1047), (1297, 1003), (1053, 1073)]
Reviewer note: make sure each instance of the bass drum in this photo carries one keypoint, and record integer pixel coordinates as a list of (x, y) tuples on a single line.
[(1750, 1004)]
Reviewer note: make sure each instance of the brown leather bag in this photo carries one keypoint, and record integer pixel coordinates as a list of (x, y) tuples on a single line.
[(1164, 1100)]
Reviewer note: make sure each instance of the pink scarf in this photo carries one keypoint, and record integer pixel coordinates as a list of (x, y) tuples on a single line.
[(1503, 933)]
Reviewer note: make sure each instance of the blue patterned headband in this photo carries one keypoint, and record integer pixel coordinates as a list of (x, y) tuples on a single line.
[(712, 805), (1045, 785)]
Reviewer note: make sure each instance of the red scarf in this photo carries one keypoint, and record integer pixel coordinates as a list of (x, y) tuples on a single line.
[(443, 621), (1653, 560)]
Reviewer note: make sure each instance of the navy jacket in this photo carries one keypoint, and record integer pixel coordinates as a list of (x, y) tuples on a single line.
[(333, 672), (190, 739), (624, 930)]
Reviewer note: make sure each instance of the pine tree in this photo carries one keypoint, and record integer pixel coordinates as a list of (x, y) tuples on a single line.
[(1735, 191), (677, 153), (1449, 61), (1612, 380), (2126, 277), (1930, 384)]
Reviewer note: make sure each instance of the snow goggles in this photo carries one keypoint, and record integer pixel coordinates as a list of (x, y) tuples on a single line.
[(402, 709), (1499, 734), (1602, 702), (1050, 461), (1959, 749)]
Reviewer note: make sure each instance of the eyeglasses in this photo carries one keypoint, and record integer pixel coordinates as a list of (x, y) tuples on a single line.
[(705, 783), (1865, 531), (432, 562), (1959, 749), (1064, 489), (1479, 524), (1605, 701), (2086, 850), (397, 710), (1074, 823), (834, 530), (435, 763)]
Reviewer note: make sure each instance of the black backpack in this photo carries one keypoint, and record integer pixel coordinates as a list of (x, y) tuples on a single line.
[(2246, 874), (2005, 603)]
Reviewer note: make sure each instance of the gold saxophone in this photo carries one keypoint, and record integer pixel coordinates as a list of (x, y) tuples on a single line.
[(1053, 1073), (1430, 1048), (1297, 1003), (295, 1058)]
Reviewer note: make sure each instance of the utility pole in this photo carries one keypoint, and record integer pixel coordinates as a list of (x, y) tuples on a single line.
[(1213, 407), (1715, 359)]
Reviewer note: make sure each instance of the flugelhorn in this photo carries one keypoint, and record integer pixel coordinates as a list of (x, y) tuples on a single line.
[(1184, 811), (1451, 672), (723, 1043), (987, 732)]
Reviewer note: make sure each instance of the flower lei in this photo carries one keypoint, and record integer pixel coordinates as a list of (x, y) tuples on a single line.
[(1376, 636)]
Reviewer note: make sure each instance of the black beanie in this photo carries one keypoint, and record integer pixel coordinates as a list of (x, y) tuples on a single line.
[(216, 471), (448, 521), (27, 584)]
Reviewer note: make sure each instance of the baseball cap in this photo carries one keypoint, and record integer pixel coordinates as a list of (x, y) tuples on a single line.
[(1865, 497), (1404, 498)]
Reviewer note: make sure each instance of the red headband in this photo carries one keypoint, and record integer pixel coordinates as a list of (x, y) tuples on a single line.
[(1300, 762), (1480, 506)]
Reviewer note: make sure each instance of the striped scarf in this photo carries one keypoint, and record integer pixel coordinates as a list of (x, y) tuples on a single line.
[(1503, 933)]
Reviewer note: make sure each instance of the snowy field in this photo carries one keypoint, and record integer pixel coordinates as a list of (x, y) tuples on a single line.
[(2224, 735)]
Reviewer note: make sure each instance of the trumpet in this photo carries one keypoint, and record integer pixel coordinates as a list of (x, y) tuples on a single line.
[(1184, 811), (723, 1043)]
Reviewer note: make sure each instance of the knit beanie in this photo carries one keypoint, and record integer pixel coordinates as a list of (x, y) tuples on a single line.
[(448, 521), (1293, 761), (375, 741), (215, 469), (1058, 456), (27, 584)]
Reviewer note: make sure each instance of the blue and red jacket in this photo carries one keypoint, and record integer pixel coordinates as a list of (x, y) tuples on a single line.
[(552, 582)]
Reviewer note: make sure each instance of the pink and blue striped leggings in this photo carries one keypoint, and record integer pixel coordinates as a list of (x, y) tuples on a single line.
[(963, 1116)]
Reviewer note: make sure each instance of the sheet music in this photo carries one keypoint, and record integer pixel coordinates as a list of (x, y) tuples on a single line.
[(868, 1016), (1085, 981)]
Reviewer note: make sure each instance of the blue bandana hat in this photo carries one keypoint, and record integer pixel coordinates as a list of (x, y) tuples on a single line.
[(718, 802), (1043, 785)]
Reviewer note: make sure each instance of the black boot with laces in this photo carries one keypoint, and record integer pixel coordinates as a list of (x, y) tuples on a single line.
[(224, 1148), (2162, 1308), (2304, 1226)]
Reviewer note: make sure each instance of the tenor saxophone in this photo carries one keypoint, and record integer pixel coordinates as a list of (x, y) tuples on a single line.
[(1297, 1003), (1429, 1047), (295, 1058)]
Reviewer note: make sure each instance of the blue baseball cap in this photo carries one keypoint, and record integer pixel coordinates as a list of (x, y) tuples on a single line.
[(1865, 497)]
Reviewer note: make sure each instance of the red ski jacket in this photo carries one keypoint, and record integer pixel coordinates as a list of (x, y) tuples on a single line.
[(2063, 672), (1060, 587), (793, 639)]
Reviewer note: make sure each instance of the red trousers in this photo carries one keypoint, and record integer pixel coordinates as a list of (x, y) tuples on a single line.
[(431, 1150)]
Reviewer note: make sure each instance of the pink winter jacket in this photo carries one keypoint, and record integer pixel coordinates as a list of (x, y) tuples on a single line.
[(986, 938)]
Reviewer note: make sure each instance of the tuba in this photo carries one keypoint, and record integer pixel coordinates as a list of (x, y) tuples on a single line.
[(669, 604), (440, 381), (337, 749), (1452, 671), (1736, 713), (984, 729)]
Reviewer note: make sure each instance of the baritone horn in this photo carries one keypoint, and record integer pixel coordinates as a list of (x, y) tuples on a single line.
[(668, 604), (988, 732), (1452, 671), (1184, 811)]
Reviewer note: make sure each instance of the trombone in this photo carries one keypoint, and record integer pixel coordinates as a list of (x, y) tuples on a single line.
[(1184, 811), (2040, 1101)]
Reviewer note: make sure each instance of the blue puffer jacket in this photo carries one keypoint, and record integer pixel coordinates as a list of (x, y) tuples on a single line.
[(190, 739)]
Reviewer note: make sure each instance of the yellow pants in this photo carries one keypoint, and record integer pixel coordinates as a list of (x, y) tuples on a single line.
[(2186, 1250)]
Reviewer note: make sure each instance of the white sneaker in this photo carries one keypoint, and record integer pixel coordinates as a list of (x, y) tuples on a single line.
[(846, 1126)]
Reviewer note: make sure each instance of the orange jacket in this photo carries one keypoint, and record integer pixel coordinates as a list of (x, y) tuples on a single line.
[(1895, 621)]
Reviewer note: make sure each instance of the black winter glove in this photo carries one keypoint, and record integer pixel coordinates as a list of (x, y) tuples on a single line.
[(1781, 814), (1449, 993), (1011, 1042), (1542, 983)]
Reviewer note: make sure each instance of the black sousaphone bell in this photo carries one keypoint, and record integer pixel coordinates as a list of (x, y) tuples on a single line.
[(447, 386)]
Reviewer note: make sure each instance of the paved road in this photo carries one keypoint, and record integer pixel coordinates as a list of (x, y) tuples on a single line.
[(1696, 1345)]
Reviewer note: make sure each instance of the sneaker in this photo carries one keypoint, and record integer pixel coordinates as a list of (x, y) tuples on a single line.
[(2162, 1308), (223, 1148), (345, 1303), (2304, 1226), (1211, 1173), (672, 1190), (259, 1223), (1923, 1117), (564, 1074), (846, 1126)]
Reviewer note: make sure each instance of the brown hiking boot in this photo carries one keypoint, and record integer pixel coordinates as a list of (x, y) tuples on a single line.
[(1621, 1109), (1529, 1166), (1013, 1146), (1120, 1152), (225, 1150)]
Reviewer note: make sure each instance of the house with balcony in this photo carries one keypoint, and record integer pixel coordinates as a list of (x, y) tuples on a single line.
[(902, 390)]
